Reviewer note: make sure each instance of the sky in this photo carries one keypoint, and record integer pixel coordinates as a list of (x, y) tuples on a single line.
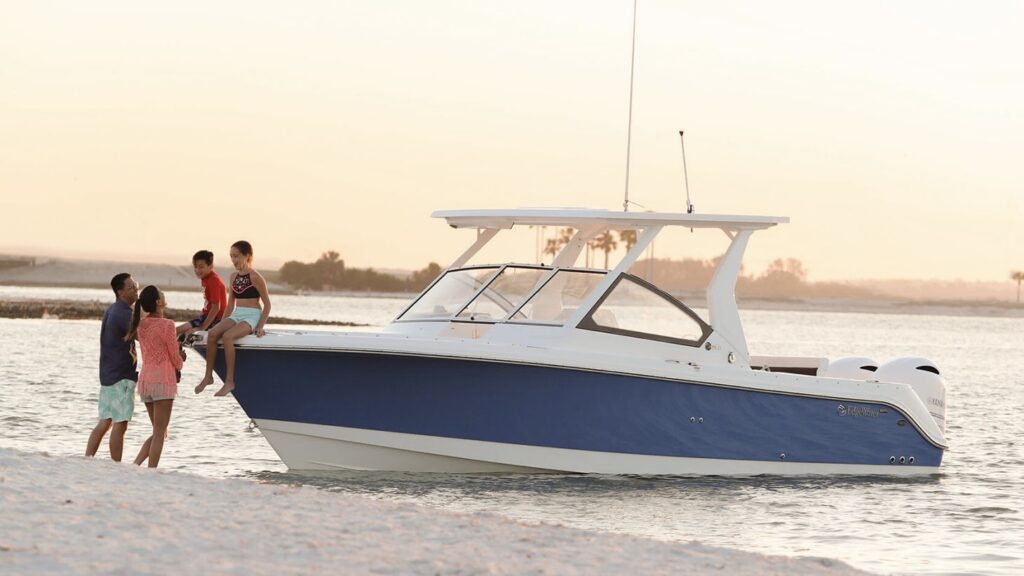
[(889, 132)]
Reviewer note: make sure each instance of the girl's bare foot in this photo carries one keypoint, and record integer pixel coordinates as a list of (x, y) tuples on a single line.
[(207, 380), (225, 389)]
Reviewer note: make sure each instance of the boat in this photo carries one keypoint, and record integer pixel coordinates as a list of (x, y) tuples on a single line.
[(539, 368)]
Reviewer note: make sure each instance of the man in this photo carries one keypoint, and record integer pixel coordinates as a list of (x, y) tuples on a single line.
[(117, 369)]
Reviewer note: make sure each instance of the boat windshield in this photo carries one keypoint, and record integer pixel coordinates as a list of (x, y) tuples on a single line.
[(559, 298), (504, 294), (449, 294), (495, 294)]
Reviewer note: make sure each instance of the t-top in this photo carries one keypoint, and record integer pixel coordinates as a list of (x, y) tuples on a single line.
[(214, 292), (116, 360), (243, 288)]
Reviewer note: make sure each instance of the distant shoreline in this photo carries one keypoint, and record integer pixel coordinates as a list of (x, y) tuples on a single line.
[(275, 290), (912, 307), (93, 310), (106, 286), (69, 309)]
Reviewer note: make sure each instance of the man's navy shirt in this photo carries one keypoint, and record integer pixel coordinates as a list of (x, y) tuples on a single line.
[(116, 361)]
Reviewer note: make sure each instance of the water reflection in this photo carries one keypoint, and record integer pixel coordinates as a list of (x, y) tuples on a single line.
[(418, 483)]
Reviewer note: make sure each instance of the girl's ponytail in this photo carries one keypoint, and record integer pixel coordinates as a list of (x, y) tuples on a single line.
[(136, 313), (147, 301)]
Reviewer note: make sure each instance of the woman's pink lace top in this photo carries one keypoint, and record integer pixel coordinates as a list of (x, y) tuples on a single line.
[(160, 357)]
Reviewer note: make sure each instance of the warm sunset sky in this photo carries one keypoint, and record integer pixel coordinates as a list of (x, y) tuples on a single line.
[(891, 132)]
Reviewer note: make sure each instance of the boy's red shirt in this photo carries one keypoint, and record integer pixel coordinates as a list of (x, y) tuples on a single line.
[(214, 291)]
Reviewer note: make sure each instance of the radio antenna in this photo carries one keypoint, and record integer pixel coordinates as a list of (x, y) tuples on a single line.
[(686, 178), (629, 126)]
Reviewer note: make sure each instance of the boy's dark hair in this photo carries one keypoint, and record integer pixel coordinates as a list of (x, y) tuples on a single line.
[(205, 256), (117, 282)]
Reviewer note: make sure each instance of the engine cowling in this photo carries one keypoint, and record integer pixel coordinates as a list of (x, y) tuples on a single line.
[(922, 375), (851, 368)]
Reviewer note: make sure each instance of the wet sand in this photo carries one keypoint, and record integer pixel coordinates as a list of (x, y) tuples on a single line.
[(75, 515)]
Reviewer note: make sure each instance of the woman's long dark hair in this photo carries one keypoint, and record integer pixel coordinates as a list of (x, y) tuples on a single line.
[(147, 301)]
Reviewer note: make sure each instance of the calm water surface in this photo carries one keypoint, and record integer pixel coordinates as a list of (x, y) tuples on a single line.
[(967, 520)]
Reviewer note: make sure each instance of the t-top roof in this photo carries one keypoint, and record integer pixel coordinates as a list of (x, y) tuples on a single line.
[(579, 217)]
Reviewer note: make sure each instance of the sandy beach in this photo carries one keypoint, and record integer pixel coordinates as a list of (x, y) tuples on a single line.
[(74, 515)]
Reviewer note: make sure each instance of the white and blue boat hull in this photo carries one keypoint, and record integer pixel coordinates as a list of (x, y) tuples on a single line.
[(372, 410)]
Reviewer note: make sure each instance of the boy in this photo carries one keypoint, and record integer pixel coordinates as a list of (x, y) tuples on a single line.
[(215, 295)]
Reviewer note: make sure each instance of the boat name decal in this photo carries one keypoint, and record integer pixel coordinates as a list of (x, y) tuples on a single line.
[(858, 411)]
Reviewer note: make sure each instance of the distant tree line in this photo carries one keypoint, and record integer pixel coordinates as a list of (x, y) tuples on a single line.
[(605, 242), (330, 273), (783, 278)]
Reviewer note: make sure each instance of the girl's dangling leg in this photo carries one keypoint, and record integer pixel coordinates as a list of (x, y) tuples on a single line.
[(239, 331), (211, 351)]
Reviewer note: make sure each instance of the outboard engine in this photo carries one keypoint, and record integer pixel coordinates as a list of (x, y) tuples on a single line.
[(924, 378), (851, 368)]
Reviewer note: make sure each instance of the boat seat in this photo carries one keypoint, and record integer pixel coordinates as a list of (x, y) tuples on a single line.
[(605, 318), (601, 317)]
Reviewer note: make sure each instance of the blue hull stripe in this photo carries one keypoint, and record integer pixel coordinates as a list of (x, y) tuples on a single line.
[(567, 408)]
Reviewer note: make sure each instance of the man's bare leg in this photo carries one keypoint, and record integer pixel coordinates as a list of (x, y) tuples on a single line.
[(117, 440), (96, 437)]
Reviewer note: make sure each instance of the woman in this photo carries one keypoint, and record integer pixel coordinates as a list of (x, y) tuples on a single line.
[(161, 363), (243, 316)]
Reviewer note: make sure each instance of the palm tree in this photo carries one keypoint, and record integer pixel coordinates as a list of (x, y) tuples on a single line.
[(605, 242), (628, 237), (554, 245), (1019, 277)]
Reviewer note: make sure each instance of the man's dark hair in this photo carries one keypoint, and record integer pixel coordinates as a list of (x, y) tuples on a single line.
[(117, 282), (204, 255)]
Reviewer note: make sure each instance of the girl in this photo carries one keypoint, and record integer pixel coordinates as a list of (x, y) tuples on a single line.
[(161, 359), (243, 316)]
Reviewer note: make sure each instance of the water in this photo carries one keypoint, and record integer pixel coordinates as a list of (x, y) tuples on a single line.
[(968, 519)]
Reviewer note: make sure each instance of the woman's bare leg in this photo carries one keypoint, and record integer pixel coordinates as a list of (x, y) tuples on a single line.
[(211, 351), (161, 418), (240, 330), (144, 451)]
